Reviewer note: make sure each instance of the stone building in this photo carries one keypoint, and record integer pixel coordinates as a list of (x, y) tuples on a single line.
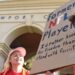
[(22, 23)]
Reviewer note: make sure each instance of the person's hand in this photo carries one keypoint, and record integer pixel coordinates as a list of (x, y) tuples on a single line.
[(49, 73)]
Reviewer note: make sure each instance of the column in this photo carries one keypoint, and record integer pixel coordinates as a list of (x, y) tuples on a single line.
[(4, 50)]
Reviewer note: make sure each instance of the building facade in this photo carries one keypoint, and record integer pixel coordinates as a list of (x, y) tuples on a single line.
[(22, 23)]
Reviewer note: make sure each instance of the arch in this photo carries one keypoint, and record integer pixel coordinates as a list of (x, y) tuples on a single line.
[(19, 30)]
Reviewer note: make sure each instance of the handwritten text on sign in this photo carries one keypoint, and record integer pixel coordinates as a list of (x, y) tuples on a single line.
[(58, 41)]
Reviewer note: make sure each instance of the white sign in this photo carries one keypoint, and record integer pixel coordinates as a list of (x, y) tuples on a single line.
[(57, 46)]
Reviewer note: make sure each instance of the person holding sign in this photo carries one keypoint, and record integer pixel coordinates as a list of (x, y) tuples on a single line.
[(14, 63)]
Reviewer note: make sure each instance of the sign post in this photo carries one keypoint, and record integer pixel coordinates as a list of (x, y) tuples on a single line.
[(57, 46)]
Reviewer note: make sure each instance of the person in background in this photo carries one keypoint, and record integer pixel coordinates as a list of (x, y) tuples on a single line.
[(14, 63), (72, 19)]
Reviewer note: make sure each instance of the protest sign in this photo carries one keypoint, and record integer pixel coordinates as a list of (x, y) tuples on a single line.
[(57, 46)]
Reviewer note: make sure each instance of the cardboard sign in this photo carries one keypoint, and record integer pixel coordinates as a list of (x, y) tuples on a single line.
[(57, 46)]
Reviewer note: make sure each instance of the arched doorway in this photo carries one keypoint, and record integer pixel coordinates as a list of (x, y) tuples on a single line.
[(30, 41), (27, 37)]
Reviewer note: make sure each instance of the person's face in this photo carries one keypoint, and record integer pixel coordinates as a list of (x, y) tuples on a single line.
[(16, 59)]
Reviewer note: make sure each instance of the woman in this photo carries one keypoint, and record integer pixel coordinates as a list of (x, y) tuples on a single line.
[(14, 63)]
